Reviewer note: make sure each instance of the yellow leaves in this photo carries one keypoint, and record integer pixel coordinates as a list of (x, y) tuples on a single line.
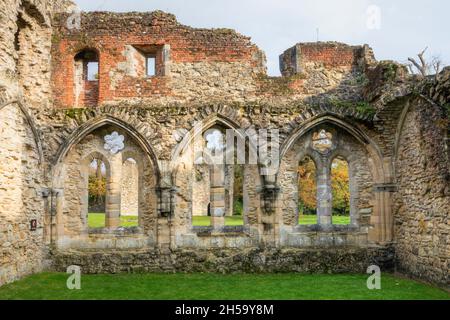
[(97, 186), (307, 188), (340, 186)]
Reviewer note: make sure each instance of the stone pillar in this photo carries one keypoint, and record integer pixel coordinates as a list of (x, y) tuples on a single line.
[(129, 195), (46, 195), (217, 195), (229, 187), (165, 204), (113, 192), (324, 196), (166, 192), (59, 212), (382, 219)]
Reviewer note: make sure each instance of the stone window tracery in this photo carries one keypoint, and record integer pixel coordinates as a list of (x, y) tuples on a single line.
[(218, 186)]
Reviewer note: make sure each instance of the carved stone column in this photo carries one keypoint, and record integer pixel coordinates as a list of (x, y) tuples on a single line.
[(324, 196), (166, 194), (322, 142), (113, 192), (217, 195)]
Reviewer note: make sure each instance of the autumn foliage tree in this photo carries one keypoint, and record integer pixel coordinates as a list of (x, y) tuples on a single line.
[(307, 188), (340, 187)]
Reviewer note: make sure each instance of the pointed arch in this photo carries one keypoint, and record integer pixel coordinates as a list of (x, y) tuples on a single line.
[(81, 132), (182, 174), (208, 123), (358, 134)]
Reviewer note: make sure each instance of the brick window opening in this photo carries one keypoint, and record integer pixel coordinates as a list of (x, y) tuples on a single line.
[(86, 78), (150, 66), (148, 60), (92, 71)]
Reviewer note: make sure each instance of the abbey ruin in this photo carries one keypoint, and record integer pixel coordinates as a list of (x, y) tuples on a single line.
[(135, 91)]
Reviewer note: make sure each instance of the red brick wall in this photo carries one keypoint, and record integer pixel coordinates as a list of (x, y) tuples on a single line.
[(90, 97), (110, 33), (331, 55)]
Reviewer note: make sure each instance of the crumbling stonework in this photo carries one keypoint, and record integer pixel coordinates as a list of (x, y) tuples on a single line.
[(391, 127), (21, 178), (25, 41), (422, 203), (257, 260)]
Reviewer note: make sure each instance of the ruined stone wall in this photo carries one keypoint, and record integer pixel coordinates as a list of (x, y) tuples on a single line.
[(331, 68), (197, 64), (239, 260), (422, 204), (194, 63), (25, 34), (216, 76), (21, 178), (330, 54)]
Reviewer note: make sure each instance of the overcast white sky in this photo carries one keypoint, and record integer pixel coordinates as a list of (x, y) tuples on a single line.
[(405, 26)]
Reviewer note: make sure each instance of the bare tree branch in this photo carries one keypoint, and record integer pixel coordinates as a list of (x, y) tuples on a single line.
[(421, 66), (422, 59), (436, 64)]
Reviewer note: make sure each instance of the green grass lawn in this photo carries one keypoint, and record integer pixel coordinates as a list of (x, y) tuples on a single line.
[(312, 219), (217, 286), (97, 220), (203, 221)]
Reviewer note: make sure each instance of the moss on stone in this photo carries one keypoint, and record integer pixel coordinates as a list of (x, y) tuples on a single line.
[(56, 37), (74, 113), (390, 72), (360, 80), (362, 107)]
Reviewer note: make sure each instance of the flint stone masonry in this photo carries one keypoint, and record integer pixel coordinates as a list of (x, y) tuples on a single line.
[(391, 127), (21, 250), (257, 260)]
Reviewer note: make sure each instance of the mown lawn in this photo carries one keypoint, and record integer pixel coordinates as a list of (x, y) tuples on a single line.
[(217, 286), (97, 220), (203, 221), (312, 219)]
